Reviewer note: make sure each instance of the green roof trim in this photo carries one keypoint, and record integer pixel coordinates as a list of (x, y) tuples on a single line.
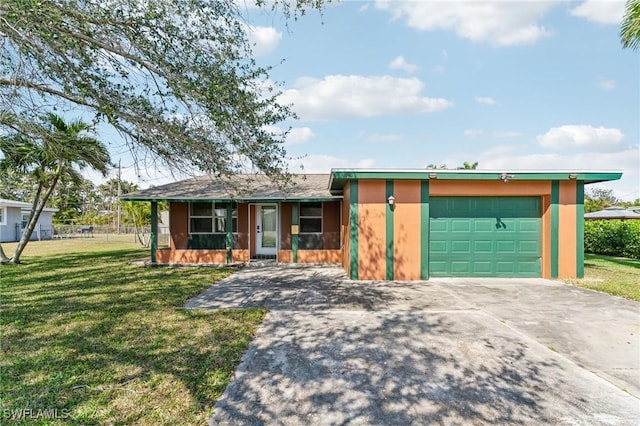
[(339, 177), (230, 200)]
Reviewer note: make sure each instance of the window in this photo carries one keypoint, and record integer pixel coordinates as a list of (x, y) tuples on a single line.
[(208, 226), (310, 237), (211, 218), (25, 219), (3, 215)]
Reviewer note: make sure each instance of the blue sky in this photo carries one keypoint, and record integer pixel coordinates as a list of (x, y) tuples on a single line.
[(511, 85)]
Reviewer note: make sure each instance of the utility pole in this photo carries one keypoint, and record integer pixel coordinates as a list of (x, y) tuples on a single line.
[(119, 192)]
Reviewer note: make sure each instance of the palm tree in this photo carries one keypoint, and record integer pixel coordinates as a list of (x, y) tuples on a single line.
[(47, 156), (630, 29), (468, 166)]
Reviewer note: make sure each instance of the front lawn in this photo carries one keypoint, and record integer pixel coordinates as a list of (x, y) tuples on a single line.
[(617, 276), (91, 339)]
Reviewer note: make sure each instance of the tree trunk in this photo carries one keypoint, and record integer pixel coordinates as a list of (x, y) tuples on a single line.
[(139, 233), (3, 257), (36, 210)]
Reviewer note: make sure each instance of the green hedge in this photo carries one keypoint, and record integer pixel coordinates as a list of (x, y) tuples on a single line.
[(613, 237)]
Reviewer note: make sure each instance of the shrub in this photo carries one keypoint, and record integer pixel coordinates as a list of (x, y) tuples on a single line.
[(613, 237)]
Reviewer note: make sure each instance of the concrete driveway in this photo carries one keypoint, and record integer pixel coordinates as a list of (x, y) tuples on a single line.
[(445, 351)]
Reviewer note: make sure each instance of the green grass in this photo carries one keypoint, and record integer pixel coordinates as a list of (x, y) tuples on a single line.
[(617, 276), (85, 332)]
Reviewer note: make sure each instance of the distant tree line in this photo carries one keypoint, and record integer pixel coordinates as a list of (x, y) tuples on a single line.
[(80, 200), (596, 199)]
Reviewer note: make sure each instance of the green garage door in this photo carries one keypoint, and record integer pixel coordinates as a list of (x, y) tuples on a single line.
[(485, 237)]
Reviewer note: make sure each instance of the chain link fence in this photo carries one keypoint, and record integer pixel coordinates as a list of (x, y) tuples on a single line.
[(138, 234)]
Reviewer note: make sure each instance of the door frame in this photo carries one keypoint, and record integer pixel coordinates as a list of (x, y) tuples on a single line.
[(253, 221)]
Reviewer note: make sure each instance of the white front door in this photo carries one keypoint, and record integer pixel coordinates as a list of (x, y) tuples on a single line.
[(266, 231)]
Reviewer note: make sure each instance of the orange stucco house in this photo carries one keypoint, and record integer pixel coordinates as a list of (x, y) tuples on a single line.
[(393, 224)]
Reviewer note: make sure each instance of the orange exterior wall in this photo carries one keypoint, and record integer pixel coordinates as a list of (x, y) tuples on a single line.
[(484, 188), (406, 230), (372, 206), (179, 225), (567, 226), (285, 256), (311, 256), (285, 225), (331, 225), (169, 256), (243, 226)]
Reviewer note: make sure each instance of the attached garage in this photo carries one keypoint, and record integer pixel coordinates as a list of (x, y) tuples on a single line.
[(485, 237), (417, 224)]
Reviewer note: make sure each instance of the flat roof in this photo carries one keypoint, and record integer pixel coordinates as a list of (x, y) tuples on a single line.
[(339, 177)]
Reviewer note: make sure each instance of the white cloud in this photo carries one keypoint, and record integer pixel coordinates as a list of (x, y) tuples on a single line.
[(399, 63), (263, 40), (377, 137), (506, 134), (352, 96), (582, 137), (606, 84), (439, 69), (364, 8), (299, 135), (320, 163), (624, 160), (472, 133), (499, 23), (485, 100), (296, 135), (600, 11)]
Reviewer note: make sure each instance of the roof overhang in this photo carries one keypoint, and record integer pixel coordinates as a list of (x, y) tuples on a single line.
[(230, 200), (22, 205), (339, 177)]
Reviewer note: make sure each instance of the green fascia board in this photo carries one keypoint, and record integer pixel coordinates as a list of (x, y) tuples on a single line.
[(340, 177), (232, 200)]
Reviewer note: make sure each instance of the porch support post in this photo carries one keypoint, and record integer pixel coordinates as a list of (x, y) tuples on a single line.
[(353, 230), (294, 235), (389, 232), (229, 230), (580, 229), (424, 230), (154, 231)]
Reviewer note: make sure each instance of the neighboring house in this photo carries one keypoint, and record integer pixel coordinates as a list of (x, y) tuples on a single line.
[(384, 224), (613, 212), (13, 219)]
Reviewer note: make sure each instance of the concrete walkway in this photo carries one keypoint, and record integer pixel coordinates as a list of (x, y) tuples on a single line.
[(447, 351)]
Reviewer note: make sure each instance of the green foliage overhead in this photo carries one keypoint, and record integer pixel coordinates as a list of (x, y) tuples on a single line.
[(613, 237), (630, 29), (176, 78)]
